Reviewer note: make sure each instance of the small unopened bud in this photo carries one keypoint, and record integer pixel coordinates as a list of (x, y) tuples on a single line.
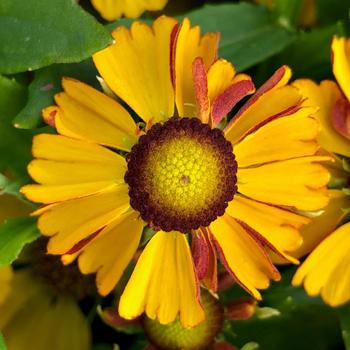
[(223, 346), (240, 309)]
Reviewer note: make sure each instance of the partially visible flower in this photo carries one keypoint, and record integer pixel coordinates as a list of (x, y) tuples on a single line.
[(326, 271), (39, 304), (5, 282), (111, 10), (231, 189)]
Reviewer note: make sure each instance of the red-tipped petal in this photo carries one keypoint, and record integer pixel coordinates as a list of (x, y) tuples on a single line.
[(201, 89), (224, 103), (200, 254)]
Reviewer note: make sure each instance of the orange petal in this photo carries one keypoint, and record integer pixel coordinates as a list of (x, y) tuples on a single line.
[(88, 114), (124, 236), (137, 68), (243, 256), (271, 99), (163, 283)]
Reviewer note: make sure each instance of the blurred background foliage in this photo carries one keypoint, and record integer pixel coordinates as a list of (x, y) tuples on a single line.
[(42, 41)]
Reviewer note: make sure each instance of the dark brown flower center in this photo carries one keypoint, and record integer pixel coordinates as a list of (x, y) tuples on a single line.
[(181, 175)]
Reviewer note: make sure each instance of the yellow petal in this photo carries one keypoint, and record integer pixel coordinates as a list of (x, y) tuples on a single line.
[(326, 270), (271, 99), (283, 138), (325, 96), (71, 168), (341, 63), (246, 260), (190, 45), (137, 68), (298, 183), (279, 227), (113, 9), (111, 251), (61, 148), (88, 114), (71, 221), (163, 283), (321, 226), (57, 193), (52, 172)]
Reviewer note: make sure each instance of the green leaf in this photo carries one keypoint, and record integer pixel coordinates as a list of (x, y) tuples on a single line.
[(14, 235), (36, 33), (310, 54), (9, 186), (301, 322), (287, 12), (46, 83), (344, 317), (2, 343), (248, 33), (12, 97), (15, 145), (331, 11)]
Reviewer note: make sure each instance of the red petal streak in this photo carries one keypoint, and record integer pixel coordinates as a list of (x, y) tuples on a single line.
[(211, 279), (269, 84), (200, 254), (204, 258), (81, 244), (224, 103), (341, 117), (289, 111), (201, 89), (173, 39)]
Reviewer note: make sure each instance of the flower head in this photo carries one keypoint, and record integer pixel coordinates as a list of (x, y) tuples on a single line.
[(326, 271), (230, 189)]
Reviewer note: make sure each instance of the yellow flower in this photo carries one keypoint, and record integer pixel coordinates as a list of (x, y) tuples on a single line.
[(38, 311), (180, 175), (326, 271), (111, 10)]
